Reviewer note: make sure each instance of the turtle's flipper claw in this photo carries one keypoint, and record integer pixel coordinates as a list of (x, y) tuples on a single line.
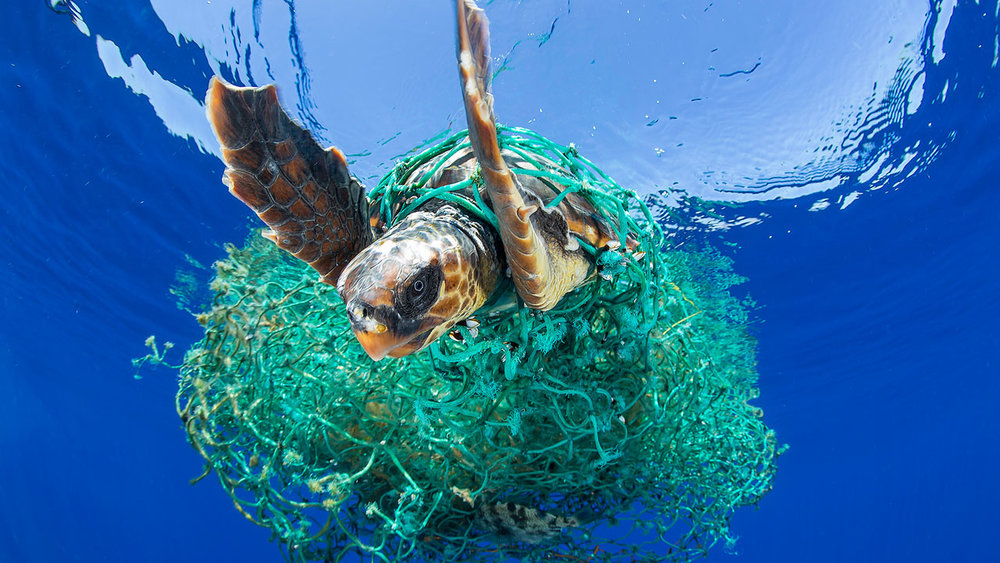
[(304, 193), (535, 239)]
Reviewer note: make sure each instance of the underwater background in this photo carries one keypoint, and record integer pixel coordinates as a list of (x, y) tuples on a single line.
[(852, 149)]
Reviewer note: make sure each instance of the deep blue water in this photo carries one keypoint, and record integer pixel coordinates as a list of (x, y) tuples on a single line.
[(861, 144)]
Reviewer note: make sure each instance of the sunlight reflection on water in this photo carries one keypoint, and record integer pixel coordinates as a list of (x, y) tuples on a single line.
[(736, 103)]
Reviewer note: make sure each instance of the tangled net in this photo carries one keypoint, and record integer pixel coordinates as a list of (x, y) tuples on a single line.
[(626, 405)]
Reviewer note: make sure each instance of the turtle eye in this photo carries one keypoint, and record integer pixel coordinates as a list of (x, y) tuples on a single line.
[(419, 293)]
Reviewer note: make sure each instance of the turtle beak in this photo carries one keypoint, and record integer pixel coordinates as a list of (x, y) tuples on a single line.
[(383, 336), (374, 336), (377, 345)]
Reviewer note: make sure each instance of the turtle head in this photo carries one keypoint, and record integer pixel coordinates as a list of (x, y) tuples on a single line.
[(410, 287)]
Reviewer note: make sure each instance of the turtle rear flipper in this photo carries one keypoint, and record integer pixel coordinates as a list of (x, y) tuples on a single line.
[(543, 262), (315, 209)]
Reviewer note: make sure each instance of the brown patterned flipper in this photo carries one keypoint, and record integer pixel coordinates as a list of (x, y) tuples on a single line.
[(315, 209), (543, 263)]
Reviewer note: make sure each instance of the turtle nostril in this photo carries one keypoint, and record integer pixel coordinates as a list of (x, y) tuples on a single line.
[(360, 313)]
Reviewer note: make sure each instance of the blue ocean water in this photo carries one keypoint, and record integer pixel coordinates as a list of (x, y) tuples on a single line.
[(854, 148)]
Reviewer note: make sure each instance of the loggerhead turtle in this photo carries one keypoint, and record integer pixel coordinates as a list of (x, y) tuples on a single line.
[(409, 285)]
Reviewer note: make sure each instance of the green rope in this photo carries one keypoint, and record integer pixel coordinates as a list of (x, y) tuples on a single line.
[(628, 402)]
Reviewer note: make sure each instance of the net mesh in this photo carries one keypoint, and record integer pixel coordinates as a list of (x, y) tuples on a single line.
[(625, 407)]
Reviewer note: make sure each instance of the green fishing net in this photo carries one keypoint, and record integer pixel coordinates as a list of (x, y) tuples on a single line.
[(625, 408)]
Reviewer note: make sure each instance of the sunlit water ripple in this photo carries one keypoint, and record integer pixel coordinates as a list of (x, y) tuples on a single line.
[(730, 116)]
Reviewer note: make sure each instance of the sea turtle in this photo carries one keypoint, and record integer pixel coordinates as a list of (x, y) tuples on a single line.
[(411, 284)]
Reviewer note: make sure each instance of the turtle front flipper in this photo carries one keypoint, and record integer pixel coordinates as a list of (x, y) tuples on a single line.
[(315, 209), (543, 262)]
